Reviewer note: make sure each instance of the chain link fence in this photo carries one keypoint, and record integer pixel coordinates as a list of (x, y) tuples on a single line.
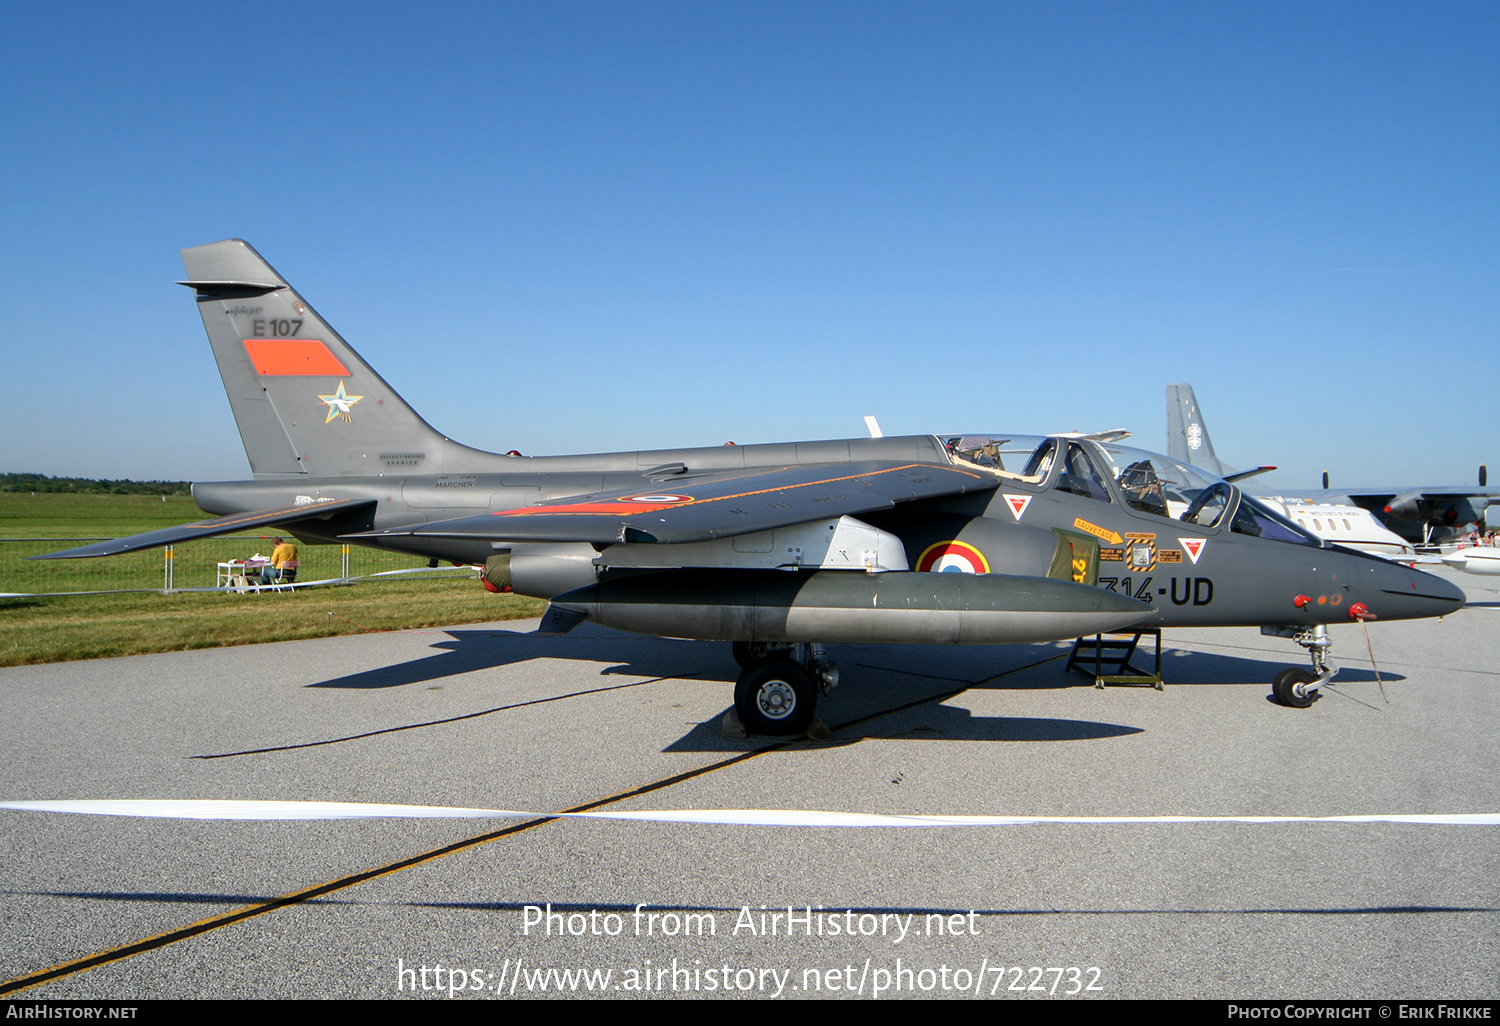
[(195, 565)]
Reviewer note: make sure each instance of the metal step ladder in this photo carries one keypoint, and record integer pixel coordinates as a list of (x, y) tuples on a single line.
[(1114, 651)]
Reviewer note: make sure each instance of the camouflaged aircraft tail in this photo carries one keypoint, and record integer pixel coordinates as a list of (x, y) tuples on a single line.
[(304, 400)]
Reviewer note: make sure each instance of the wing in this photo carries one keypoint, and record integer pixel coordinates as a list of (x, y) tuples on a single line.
[(714, 506), (286, 516)]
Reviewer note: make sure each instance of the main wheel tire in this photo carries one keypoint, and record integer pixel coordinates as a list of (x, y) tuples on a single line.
[(1282, 686), (776, 698), (750, 654)]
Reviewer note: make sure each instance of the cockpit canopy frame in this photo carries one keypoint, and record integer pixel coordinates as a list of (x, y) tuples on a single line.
[(1147, 483)]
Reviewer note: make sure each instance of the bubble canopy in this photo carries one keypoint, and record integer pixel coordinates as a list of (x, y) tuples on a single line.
[(1146, 482)]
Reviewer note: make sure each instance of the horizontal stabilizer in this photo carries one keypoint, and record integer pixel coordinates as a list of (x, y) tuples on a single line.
[(1242, 474), (232, 289), (284, 516)]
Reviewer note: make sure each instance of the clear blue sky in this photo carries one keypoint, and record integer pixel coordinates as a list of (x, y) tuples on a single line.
[(563, 227)]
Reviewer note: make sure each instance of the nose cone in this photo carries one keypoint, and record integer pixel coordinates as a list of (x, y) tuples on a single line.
[(1401, 593)]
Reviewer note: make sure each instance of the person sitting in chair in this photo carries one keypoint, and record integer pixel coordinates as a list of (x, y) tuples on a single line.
[(284, 552)]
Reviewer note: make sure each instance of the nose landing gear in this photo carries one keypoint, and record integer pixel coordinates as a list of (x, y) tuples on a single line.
[(1298, 688)]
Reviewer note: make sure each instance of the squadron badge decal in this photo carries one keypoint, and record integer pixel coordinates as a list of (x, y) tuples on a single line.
[(339, 405)]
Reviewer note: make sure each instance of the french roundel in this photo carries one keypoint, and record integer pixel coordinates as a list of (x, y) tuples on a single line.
[(953, 557), (657, 498)]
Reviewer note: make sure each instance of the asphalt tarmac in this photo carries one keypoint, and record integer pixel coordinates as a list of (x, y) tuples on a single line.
[(494, 716)]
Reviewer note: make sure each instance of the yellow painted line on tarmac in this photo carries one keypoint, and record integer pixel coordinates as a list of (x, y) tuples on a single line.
[(202, 926)]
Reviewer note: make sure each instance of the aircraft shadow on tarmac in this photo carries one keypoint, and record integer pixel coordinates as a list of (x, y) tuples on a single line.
[(878, 696), (934, 723), (1179, 668), (987, 667), (466, 651)]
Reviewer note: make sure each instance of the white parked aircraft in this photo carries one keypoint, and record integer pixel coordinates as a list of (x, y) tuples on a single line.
[(1347, 525), (1482, 559)]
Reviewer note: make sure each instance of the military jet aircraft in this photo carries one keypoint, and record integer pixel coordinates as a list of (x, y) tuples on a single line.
[(778, 548), (1424, 514)]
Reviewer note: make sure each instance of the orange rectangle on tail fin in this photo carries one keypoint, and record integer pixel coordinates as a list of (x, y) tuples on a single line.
[(282, 356)]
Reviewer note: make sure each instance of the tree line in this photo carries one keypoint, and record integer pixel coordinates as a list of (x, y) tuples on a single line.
[(88, 485)]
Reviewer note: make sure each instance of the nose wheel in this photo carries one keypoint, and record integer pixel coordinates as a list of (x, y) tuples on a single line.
[(1298, 689), (1285, 688)]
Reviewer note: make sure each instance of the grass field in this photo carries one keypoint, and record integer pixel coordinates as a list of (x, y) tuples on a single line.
[(53, 629), (26, 521), (63, 515)]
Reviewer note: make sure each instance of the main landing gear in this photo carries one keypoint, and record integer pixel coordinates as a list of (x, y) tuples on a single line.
[(777, 694), (1295, 687)]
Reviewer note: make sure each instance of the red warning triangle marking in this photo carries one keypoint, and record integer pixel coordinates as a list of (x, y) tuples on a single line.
[(1193, 547), (1018, 503)]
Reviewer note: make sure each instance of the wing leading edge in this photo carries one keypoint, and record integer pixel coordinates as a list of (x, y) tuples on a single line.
[(713, 506), (286, 516)]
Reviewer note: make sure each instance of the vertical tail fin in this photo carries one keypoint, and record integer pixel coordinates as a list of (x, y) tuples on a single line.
[(1187, 435), (304, 400)]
